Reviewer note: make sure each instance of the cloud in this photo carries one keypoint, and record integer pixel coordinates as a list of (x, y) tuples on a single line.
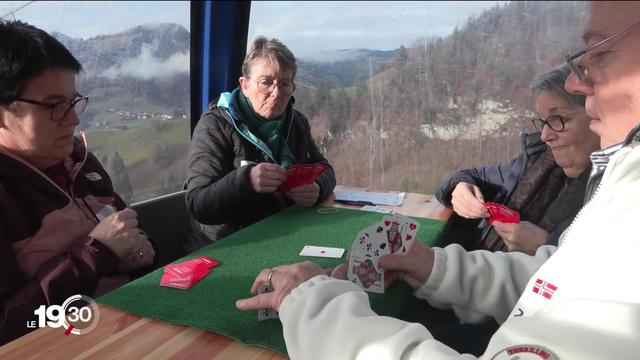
[(146, 66)]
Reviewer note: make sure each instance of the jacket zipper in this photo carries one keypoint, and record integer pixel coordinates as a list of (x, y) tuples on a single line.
[(568, 231)]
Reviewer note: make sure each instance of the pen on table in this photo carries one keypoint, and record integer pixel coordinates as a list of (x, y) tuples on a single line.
[(354, 202)]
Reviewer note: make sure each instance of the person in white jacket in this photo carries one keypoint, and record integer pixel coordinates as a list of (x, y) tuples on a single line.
[(579, 301)]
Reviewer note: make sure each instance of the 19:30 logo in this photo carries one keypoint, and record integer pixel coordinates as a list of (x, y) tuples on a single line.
[(78, 315)]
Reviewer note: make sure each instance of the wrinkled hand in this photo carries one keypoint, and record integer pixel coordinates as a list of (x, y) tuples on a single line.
[(305, 195), (525, 237), (266, 177), (338, 272), (118, 232), (284, 280), (143, 255), (414, 268), (467, 201)]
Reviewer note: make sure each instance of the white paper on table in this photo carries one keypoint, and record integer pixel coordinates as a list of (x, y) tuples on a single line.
[(376, 209), (380, 198)]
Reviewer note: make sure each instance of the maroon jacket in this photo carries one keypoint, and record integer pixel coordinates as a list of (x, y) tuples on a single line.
[(46, 254)]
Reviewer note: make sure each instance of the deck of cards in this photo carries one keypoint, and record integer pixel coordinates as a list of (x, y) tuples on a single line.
[(395, 234), (502, 213), (301, 174), (186, 274)]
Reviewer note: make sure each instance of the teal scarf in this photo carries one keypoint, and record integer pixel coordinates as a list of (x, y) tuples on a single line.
[(267, 130)]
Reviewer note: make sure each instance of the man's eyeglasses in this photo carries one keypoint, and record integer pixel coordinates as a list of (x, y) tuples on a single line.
[(266, 86), (555, 122), (581, 71), (60, 110)]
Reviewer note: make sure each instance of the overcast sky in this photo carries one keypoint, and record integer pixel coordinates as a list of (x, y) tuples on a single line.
[(306, 27)]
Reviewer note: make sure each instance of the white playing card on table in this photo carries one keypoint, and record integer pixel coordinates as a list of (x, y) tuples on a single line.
[(322, 251)]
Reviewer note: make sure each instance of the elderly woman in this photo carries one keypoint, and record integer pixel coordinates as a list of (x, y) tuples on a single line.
[(242, 145), (545, 183), (63, 230)]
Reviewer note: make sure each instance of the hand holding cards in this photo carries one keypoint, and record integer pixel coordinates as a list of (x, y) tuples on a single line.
[(186, 274), (502, 213), (301, 174), (395, 234)]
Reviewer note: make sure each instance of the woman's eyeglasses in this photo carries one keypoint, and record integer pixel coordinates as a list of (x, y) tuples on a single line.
[(555, 122), (60, 110), (266, 86)]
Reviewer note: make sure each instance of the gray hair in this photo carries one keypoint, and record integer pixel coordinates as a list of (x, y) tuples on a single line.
[(553, 82), (274, 50)]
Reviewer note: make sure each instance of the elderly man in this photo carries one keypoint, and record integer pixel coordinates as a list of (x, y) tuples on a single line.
[(577, 302), (63, 230)]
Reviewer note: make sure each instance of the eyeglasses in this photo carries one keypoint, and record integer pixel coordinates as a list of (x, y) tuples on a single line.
[(266, 86), (60, 110), (581, 71), (555, 122)]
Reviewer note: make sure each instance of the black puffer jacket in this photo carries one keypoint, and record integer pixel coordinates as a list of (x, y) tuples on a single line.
[(497, 183), (219, 193)]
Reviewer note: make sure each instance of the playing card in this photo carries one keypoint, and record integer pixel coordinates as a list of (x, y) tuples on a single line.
[(502, 213), (367, 247), (266, 314), (370, 241), (322, 251), (301, 174), (401, 233), (365, 272)]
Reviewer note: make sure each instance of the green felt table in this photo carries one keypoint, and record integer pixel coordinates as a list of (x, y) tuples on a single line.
[(210, 304)]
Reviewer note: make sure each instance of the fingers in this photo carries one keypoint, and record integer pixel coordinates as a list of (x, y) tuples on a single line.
[(467, 201), (262, 278), (339, 272), (125, 214), (266, 177), (312, 188), (304, 200), (478, 193), (396, 263), (260, 301)]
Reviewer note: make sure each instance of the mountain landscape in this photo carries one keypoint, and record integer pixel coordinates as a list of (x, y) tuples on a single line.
[(396, 120)]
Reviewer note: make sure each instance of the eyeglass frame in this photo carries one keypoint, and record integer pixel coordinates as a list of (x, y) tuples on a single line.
[(273, 86), (581, 72), (546, 122), (52, 106)]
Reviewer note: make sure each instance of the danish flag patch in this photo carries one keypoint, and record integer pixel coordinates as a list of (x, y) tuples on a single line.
[(544, 288)]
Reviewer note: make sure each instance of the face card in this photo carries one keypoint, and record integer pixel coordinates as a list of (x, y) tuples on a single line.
[(266, 314), (364, 272), (502, 213), (322, 251)]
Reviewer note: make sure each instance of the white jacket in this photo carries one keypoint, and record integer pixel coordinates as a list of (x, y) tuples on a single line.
[(581, 303)]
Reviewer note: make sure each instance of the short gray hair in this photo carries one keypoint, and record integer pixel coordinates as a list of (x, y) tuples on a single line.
[(553, 82), (273, 50)]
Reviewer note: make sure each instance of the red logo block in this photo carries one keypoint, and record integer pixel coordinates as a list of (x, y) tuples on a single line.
[(544, 288)]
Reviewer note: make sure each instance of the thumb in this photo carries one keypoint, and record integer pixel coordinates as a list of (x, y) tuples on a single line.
[(395, 262), (478, 193), (260, 301), (339, 272)]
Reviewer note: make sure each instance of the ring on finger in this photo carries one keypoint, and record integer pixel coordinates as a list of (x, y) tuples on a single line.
[(270, 276)]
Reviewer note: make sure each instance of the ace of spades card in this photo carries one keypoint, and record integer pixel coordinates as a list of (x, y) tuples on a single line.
[(363, 268)]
